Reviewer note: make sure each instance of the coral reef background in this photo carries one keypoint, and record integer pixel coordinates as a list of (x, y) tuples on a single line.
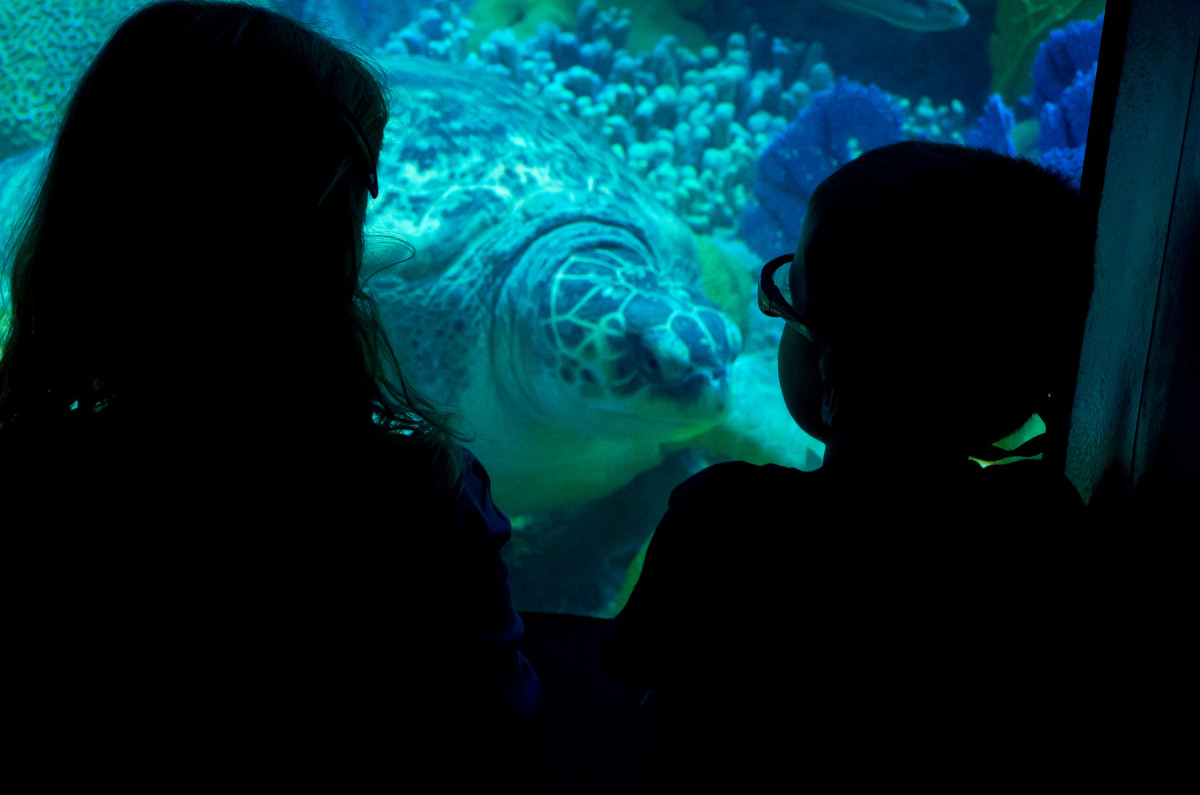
[(731, 111), (44, 46), (691, 95)]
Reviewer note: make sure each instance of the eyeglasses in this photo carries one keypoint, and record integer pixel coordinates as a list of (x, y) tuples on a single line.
[(772, 303)]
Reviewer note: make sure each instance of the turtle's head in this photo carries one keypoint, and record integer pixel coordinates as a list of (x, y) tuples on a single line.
[(602, 333)]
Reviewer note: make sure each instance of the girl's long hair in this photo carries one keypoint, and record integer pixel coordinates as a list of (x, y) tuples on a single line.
[(192, 258)]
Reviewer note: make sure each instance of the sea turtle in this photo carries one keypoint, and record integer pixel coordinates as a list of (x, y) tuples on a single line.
[(551, 298)]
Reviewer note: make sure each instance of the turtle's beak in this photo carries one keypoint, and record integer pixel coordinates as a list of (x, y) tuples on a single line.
[(613, 341)]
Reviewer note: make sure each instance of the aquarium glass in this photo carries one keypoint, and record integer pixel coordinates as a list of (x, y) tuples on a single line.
[(588, 191)]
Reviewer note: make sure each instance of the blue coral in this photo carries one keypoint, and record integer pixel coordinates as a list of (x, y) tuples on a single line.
[(995, 128), (1060, 58), (1065, 123), (1066, 160), (691, 124), (1064, 77), (837, 126)]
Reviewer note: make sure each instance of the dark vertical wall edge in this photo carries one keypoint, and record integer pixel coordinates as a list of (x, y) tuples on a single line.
[(1166, 465), (1104, 101), (1131, 413)]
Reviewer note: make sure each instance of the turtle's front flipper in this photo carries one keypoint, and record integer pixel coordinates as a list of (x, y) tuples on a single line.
[(759, 428)]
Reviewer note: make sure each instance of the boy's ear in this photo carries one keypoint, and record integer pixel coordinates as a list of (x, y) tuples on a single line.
[(831, 368)]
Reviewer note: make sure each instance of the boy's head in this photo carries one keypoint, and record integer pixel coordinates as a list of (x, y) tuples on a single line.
[(948, 281)]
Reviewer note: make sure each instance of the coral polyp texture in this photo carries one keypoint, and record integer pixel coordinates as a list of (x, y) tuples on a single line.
[(840, 124), (690, 123), (1062, 57), (44, 47), (995, 128), (1064, 77), (1021, 27)]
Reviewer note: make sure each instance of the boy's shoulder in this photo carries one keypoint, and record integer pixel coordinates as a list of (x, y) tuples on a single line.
[(719, 483), (738, 472), (1024, 493)]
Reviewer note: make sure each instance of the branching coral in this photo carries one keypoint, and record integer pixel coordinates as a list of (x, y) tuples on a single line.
[(995, 130), (1021, 26), (1064, 76), (690, 123), (1065, 122), (1062, 57), (851, 119), (839, 125)]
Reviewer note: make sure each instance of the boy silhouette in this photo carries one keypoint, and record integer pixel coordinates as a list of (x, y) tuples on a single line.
[(902, 607)]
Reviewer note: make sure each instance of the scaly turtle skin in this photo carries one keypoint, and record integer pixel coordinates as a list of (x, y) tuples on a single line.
[(551, 298)]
